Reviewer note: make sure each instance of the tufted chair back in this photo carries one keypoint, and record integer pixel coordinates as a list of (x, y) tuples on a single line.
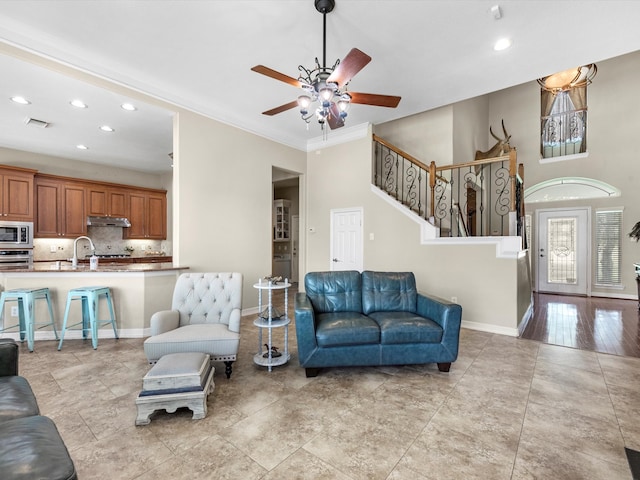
[(209, 298)]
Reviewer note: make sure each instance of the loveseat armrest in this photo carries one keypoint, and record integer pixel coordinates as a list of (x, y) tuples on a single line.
[(445, 314), (8, 357), (164, 321), (305, 327)]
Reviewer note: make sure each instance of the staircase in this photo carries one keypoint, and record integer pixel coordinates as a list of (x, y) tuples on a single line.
[(473, 199)]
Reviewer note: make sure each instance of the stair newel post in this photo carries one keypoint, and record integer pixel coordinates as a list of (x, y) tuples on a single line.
[(432, 189), (513, 171)]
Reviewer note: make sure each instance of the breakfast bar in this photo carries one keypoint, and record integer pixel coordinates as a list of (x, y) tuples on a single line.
[(138, 289)]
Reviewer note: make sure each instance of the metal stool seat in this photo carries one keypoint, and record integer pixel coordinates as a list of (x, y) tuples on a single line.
[(26, 298), (90, 297)]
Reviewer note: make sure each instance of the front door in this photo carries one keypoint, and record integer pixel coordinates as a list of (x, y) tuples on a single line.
[(563, 251), (346, 239)]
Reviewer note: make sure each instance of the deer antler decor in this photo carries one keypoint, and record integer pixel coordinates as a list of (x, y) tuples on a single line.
[(635, 232), (500, 148)]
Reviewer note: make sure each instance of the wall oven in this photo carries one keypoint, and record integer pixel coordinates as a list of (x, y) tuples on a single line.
[(16, 245)]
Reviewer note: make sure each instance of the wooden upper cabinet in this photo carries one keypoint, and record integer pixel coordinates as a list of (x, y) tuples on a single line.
[(106, 201), (16, 197), (63, 204), (75, 210), (61, 208), (148, 216), (48, 210)]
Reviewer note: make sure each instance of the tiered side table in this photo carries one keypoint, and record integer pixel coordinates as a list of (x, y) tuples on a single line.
[(271, 321)]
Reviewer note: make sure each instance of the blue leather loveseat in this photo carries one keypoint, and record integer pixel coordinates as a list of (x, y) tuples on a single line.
[(374, 318)]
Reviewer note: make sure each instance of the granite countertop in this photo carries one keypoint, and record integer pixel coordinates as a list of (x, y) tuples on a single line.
[(42, 267)]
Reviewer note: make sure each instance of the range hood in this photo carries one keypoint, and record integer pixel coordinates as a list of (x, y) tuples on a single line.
[(108, 221)]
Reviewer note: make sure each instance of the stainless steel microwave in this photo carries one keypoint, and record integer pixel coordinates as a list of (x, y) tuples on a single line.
[(16, 234)]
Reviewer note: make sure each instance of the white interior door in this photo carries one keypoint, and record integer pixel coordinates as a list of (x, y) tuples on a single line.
[(563, 251), (346, 240), (295, 233)]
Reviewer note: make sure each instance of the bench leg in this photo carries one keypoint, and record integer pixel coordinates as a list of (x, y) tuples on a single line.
[(444, 367), (311, 372), (227, 369)]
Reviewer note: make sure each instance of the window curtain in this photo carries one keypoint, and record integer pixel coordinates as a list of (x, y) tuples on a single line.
[(563, 122)]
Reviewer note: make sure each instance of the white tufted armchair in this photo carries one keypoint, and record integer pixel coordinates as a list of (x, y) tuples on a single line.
[(204, 317)]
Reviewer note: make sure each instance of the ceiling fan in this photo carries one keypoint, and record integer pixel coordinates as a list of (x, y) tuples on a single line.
[(328, 84)]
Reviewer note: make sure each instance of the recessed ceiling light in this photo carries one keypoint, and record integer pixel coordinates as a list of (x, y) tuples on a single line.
[(106, 128), (82, 147), (78, 103), (502, 44), (20, 100), (128, 107)]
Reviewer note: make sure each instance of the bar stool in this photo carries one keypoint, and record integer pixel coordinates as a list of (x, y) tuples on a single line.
[(90, 297), (26, 298)]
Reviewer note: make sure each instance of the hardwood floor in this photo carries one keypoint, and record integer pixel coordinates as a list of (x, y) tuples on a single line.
[(604, 325)]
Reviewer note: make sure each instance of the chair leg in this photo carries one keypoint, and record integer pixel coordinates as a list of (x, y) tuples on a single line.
[(53, 323), (227, 370), (28, 304), (64, 323), (93, 320), (113, 316)]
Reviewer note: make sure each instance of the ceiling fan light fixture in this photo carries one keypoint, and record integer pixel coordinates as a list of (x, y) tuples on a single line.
[(326, 83), (326, 94)]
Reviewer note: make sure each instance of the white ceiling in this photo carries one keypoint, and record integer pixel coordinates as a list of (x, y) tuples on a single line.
[(198, 55)]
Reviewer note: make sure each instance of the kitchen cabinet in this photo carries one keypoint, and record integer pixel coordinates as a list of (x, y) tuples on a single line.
[(60, 208), (16, 195), (106, 201), (281, 216), (148, 215), (62, 205)]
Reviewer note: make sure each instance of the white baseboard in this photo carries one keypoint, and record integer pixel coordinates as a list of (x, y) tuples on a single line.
[(490, 328)]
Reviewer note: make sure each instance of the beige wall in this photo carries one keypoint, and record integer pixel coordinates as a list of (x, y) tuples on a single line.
[(67, 167), (613, 123), (223, 198), (339, 177)]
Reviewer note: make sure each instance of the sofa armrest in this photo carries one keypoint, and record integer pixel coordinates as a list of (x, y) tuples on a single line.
[(164, 321), (8, 357), (305, 327), (446, 314)]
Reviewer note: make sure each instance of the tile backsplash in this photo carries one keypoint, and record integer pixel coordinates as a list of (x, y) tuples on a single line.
[(107, 240)]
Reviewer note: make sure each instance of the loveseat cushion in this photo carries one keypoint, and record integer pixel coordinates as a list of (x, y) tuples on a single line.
[(16, 398), (406, 327), (388, 292), (334, 291), (346, 328), (31, 447)]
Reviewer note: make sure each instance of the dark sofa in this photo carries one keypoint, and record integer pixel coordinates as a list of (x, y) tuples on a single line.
[(374, 318), (30, 444)]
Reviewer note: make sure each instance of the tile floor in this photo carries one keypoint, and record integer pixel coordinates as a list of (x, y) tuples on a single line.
[(509, 409)]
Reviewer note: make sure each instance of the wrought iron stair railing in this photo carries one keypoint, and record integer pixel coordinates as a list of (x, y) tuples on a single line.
[(479, 198)]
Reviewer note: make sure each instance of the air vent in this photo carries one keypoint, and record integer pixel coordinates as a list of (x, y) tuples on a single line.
[(36, 123)]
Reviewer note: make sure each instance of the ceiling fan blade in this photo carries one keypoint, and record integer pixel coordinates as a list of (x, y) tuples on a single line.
[(281, 108), (375, 99), (335, 120), (355, 61), (269, 72)]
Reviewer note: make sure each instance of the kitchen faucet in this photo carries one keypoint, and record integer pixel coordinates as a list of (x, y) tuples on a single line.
[(74, 260)]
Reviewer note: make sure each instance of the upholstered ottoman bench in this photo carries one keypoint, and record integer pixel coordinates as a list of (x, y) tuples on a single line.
[(176, 380)]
